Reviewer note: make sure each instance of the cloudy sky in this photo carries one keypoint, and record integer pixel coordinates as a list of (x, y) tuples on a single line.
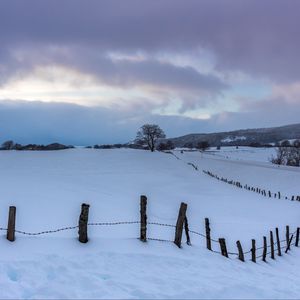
[(86, 72)]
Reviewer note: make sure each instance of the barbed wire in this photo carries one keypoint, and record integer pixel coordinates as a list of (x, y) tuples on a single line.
[(113, 223), (291, 243), (159, 240), (47, 231), (161, 224)]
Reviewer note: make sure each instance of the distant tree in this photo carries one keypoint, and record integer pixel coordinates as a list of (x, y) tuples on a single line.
[(188, 145), (165, 146), (203, 145), (281, 155), (255, 144), (285, 143), (8, 145), (293, 157), (287, 155), (149, 134), (296, 143)]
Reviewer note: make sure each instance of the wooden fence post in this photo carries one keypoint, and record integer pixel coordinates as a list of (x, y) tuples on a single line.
[(11, 224), (253, 251), (278, 242), (143, 212), (207, 231), (223, 247), (186, 229), (289, 244), (265, 249), (272, 245), (179, 224), (287, 235), (297, 237), (83, 223), (240, 249)]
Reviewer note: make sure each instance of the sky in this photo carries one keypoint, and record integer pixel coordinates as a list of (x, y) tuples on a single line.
[(93, 72)]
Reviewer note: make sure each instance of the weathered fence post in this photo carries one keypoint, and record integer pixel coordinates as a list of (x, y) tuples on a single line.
[(270, 195), (240, 249), (297, 237), (223, 247), (287, 235), (83, 223), (186, 229), (253, 251), (11, 224), (278, 242), (265, 249), (272, 245), (207, 231), (179, 224), (143, 212), (289, 244)]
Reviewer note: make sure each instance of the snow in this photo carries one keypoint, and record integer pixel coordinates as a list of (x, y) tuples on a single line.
[(49, 187), (233, 139)]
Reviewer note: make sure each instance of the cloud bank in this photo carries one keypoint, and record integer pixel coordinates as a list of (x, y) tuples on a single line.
[(193, 66)]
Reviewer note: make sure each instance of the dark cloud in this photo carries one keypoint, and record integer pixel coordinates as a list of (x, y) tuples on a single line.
[(124, 72), (260, 37)]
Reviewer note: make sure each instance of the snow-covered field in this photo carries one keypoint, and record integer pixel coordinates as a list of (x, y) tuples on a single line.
[(48, 187)]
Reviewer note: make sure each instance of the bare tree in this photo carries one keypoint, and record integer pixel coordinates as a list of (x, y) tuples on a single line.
[(148, 134), (287, 155), (281, 156), (293, 158)]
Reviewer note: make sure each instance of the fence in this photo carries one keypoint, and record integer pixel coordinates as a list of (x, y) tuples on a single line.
[(263, 192), (180, 227)]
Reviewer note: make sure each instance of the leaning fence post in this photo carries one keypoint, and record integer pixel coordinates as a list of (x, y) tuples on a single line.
[(207, 231), (272, 245), (278, 242), (11, 224), (179, 224), (253, 251), (143, 208), (289, 244), (186, 229), (297, 237), (83, 223), (223, 247), (265, 249), (240, 249), (287, 235)]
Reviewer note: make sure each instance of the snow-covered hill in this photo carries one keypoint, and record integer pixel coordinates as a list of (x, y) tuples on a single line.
[(48, 188)]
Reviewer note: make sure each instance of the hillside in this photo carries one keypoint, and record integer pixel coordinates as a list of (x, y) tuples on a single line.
[(243, 137), (49, 187)]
